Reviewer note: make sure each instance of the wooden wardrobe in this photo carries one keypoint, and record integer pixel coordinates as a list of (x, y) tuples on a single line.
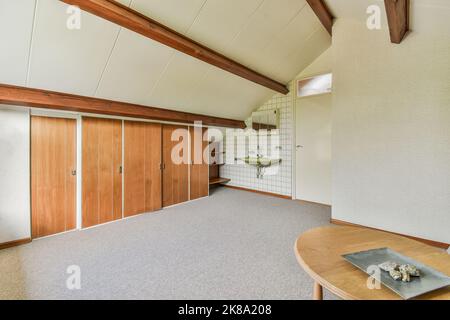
[(175, 171), (53, 175), (162, 165), (102, 171), (142, 167)]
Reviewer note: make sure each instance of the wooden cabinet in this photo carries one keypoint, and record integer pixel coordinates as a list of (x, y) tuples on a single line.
[(199, 171), (102, 166), (162, 165), (53, 179), (176, 168), (142, 167)]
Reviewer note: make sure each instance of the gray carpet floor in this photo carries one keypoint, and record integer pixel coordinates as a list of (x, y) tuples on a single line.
[(232, 245)]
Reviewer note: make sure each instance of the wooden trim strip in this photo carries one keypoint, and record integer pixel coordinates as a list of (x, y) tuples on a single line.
[(139, 23), (14, 243), (313, 202), (397, 12), (433, 243), (21, 96), (259, 192), (323, 13)]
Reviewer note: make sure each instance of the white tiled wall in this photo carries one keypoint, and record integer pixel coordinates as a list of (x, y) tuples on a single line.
[(243, 175)]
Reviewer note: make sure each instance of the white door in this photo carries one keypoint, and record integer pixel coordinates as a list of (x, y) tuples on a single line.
[(313, 149)]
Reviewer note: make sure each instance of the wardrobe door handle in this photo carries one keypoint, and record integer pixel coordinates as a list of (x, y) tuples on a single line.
[(120, 170)]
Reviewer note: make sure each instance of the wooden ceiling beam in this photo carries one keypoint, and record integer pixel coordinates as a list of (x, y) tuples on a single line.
[(21, 96), (137, 22), (323, 13), (398, 18)]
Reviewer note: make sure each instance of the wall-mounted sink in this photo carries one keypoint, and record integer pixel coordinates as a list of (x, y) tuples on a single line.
[(262, 162)]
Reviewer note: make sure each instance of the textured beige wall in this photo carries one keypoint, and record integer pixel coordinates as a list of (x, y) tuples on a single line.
[(391, 126)]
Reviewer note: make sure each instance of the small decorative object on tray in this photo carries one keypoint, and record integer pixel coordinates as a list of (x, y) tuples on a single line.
[(402, 272), (403, 275)]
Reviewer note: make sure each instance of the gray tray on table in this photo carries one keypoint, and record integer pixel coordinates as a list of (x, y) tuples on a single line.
[(428, 281)]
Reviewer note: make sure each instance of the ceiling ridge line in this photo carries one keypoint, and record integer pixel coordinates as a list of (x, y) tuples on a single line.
[(172, 56), (238, 33), (294, 17), (109, 57), (30, 49), (283, 28), (174, 52), (196, 17), (245, 24), (107, 62), (307, 39)]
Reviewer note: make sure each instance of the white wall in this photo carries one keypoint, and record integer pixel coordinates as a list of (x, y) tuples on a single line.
[(391, 125), (313, 134), (14, 174)]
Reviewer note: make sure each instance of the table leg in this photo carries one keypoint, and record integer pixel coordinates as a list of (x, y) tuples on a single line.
[(318, 291)]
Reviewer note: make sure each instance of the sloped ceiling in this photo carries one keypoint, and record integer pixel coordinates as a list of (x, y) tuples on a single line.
[(277, 38)]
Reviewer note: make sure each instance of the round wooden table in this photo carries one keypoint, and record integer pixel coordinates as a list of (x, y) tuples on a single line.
[(319, 253)]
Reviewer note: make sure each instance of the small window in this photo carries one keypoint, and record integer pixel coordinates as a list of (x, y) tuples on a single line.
[(314, 85)]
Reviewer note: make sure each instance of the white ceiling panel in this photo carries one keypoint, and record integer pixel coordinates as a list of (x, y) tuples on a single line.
[(223, 94), (270, 19), (69, 60), (263, 28), (16, 25), (298, 30), (135, 66), (180, 80), (306, 53), (286, 44), (219, 22), (176, 14)]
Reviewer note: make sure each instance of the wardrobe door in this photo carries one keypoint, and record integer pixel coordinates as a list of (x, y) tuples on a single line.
[(102, 168), (142, 167), (199, 170), (175, 174), (53, 180)]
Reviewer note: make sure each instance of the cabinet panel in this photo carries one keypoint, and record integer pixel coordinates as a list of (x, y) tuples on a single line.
[(102, 179), (142, 167), (199, 171), (175, 175), (53, 182)]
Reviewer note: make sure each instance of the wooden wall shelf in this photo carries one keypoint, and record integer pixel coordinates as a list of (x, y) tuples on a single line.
[(216, 181)]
